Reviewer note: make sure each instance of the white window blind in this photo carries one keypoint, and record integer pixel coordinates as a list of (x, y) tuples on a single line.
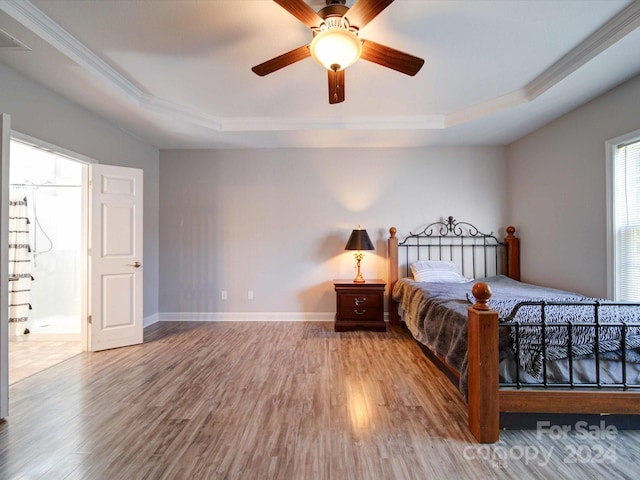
[(627, 221)]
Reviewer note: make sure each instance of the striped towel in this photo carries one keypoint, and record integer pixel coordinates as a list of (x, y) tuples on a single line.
[(20, 259)]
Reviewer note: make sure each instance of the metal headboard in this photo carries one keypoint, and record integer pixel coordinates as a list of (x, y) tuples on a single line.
[(478, 254)]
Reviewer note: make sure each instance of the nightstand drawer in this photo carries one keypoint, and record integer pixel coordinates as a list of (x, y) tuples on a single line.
[(360, 300), (359, 313)]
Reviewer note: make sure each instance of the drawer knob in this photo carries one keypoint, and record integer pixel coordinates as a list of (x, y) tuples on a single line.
[(358, 301), (359, 312)]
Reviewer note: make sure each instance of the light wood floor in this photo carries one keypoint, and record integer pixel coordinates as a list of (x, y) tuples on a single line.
[(272, 400), (27, 356)]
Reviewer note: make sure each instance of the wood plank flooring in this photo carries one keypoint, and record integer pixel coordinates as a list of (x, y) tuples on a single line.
[(273, 400)]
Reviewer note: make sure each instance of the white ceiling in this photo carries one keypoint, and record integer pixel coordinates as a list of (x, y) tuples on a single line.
[(177, 73)]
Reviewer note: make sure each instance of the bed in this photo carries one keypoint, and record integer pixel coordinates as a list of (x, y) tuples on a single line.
[(510, 346)]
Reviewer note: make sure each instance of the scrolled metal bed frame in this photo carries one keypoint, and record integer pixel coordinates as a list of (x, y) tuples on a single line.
[(487, 398), (510, 322)]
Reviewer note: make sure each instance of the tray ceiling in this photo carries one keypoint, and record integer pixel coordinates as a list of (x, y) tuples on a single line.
[(177, 73)]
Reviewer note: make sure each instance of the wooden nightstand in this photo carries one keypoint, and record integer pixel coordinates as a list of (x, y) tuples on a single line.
[(360, 305)]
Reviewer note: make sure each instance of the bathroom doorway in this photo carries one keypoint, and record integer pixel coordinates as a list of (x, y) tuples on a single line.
[(45, 262)]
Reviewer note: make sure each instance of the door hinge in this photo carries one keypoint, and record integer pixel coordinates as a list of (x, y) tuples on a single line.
[(89, 319)]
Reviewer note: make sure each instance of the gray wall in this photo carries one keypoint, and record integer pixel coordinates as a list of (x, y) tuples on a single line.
[(38, 112), (557, 194), (276, 221)]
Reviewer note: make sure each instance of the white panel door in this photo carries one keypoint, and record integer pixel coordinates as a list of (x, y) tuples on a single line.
[(115, 257), (5, 132)]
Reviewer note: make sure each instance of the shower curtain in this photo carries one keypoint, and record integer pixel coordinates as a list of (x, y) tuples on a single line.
[(20, 259)]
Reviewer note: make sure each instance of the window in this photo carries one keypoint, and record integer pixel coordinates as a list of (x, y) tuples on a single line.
[(624, 196)]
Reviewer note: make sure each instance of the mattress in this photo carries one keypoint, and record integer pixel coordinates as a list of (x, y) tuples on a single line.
[(436, 316)]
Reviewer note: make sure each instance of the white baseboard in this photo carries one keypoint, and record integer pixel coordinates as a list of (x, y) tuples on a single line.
[(247, 316), (150, 320)]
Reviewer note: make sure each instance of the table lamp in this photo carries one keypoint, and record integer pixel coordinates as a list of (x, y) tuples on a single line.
[(359, 240)]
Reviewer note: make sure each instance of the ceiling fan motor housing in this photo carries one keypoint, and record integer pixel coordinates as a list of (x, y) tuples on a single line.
[(336, 11)]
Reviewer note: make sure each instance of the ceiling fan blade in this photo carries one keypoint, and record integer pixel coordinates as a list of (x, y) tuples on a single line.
[(282, 61), (391, 58), (336, 86), (301, 11), (363, 11)]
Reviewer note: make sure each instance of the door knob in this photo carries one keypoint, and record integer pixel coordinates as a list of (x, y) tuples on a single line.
[(135, 264)]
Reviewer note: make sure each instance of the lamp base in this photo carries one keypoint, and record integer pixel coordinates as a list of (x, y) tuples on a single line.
[(359, 278)]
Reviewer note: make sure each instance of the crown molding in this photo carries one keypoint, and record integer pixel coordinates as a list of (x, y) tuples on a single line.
[(35, 20), (420, 122), (497, 104), (176, 110), (9, 42), (615, 29), (40, 24)]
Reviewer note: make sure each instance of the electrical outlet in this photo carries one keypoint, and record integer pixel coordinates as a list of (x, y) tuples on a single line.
[(250, 295), (223, 295)]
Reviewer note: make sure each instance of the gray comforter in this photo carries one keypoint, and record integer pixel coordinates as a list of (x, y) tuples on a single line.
[(436, 315)]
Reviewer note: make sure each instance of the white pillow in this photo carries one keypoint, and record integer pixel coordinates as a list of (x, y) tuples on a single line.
[(437, 271), (421, 265), (440, 276)]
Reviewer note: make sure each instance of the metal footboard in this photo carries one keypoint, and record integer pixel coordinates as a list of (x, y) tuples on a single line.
[(606, 330)]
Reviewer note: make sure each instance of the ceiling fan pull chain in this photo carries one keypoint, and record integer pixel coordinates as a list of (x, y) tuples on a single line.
[(336, 84)]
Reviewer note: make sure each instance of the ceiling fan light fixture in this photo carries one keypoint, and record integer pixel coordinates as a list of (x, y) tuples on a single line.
[(336, 48)]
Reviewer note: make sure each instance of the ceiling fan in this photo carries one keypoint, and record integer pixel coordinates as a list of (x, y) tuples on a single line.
[(336, 43)]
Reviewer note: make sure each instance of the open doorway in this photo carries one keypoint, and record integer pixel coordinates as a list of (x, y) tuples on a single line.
[(45, 263), (111, 222)]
